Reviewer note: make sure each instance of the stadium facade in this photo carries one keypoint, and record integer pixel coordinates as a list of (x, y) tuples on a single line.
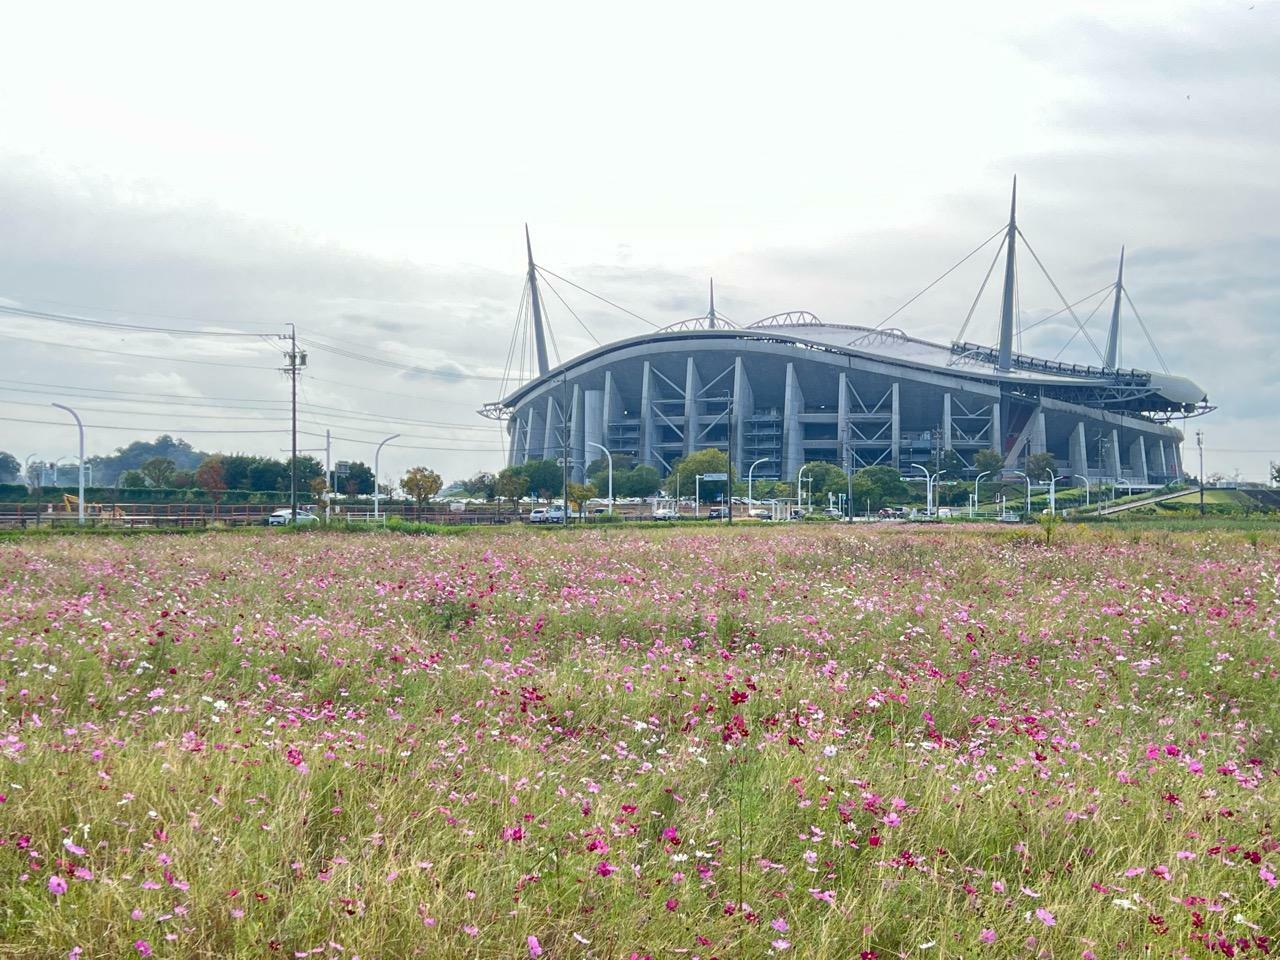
[(792, 389)]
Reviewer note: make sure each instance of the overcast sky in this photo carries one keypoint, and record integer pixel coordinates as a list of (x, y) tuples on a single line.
[(365, 171)]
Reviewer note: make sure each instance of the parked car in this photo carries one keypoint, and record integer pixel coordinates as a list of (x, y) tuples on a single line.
[(717, 513), (832, 512), (760, 514), (546, 515), (283, 516), (665, 514)]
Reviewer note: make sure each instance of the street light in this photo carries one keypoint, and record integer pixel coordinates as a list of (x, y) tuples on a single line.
[(80, 427), (929, 480), (751, 470), (1019, 473), (376, 454), (1053, 483), (799, 483), (976, 481), (1086, 487), (609, 457)]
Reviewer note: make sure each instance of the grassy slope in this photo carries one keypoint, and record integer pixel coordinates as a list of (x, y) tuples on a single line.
[(441, 746)]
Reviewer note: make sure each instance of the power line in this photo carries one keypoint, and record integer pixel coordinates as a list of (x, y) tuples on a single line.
[(393, 364), (138, 356), (135, 428), (131, 312), (120, 324)]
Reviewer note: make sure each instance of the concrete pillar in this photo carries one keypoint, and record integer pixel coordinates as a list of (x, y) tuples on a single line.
[(743, 407), (792, 435), (1038, 441), (577, 436), (692, 408), (997, 430), (1162, 464), (646, 417), (1078, 451), (550, 431), (1138, 459), (1177, 460), (842, 419), (1113, 457), (946, 421), (896, 430), (593, 424)]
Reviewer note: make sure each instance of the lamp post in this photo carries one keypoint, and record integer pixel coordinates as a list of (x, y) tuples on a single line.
[(1086, 487), (80, 427), (609, 457), (976, 481), (1019, 473), (750, 470), (697, 495), (1053, 484), (376, 454), (799, 483), (929, 481)]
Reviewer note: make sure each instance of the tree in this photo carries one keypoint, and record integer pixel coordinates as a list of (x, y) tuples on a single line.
[(107, 470), (481, 485), (133, 479), (701, 462), (359, 480), (210, 479), (1040, 466), (988, 461), (511, 484), (308, 469), (183, 480), (580, 493), (827, 478), (319, 487), (639, 481), (546, 478), (10, 468), (159, 471), (421, 484), (266, 474), (598, 469), (881, 485)]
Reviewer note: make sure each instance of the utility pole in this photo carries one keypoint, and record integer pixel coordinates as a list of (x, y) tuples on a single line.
[(729, 470), (328, 477), (296, 361), (564, 424), (1200, 447)]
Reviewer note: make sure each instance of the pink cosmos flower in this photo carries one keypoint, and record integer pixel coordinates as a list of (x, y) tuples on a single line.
[(1046, 917), (535, 948), (987, 936), (780, 925), (143, 948), (1268, 877), (781, 944), (604, 868), (57, 885)]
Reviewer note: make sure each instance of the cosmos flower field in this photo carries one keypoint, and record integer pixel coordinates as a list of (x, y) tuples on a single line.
[(802, 742)]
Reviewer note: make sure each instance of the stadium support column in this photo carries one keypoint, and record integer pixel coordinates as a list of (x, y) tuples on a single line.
[(513, 444), (946, 421), (792, 438), (1078, 451), (1177, 460), (997, 430), (612, 409), (842, 416), (743, 407), (1162, 464), (895, 431), (692, 408), (1113, 456), (550, 438), (1138, 459), (1010, 291), (593, 424), (577, 448), (1038, 441), (646, 416)]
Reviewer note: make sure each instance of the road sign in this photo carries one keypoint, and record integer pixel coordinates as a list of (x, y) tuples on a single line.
[(715, 476)]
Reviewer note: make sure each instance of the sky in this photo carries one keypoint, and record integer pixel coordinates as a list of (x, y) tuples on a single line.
[(365, 173)]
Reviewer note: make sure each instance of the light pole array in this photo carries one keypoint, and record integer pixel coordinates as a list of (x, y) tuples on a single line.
[(80, 427), (1019, 473), (929, 480)]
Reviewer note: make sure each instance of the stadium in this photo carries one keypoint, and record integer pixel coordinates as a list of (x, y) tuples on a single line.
[(792, 388)]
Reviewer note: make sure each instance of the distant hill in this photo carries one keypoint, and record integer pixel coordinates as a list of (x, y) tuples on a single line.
[(107, 469)]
